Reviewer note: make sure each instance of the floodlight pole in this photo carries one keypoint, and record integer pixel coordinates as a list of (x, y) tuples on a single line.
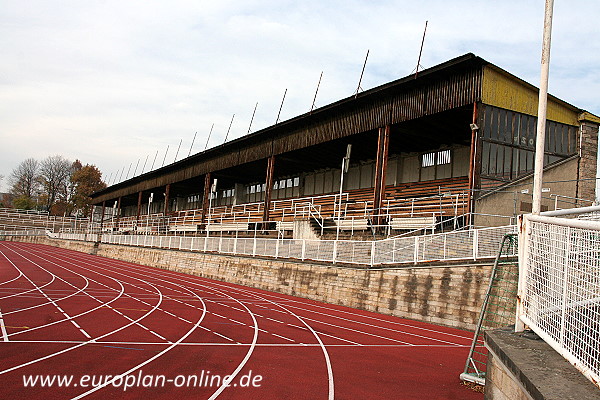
[(542, 108)]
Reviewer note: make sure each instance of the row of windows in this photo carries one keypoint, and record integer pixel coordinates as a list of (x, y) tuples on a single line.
[(517, 129), (280, 184), (436, 158)]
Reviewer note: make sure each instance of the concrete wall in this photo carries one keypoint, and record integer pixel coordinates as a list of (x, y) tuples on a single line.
[(511, 201), (445, 295), (521, 366)]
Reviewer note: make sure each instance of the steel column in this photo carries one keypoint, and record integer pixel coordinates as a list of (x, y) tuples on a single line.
[(167, 199), (268, 187), (205, 197), (472, 157), (139, 209), (383, 139)]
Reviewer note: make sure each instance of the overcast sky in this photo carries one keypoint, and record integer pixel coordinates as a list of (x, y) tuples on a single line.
[(113, 82)]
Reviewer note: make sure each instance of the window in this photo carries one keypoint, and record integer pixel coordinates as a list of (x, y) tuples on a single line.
[(437, 158)]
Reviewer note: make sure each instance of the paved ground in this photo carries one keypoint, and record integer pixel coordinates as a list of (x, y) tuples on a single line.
[(104, 328)]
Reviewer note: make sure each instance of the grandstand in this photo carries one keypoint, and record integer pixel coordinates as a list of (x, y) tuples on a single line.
[(450, 149)]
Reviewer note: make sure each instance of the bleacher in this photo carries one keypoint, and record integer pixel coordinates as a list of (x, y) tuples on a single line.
[(408, 206), (15, 219)]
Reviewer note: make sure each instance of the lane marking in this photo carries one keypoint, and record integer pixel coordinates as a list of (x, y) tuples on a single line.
[(244, 344)]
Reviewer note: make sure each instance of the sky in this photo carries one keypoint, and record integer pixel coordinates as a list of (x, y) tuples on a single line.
[(112, 83)]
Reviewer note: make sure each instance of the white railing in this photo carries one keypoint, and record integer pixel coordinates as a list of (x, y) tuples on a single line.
[(559, 287), (476, 244)]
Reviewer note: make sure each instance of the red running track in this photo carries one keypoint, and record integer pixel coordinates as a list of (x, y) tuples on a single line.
[(88, 326)]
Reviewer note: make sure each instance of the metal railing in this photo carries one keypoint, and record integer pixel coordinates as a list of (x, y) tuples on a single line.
[(559, 286), (476, 244)]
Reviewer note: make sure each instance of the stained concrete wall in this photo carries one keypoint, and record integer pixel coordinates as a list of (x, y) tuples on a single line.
[(445, 295)]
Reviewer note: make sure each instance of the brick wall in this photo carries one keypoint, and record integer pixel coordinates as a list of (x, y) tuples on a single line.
[(445, 295)]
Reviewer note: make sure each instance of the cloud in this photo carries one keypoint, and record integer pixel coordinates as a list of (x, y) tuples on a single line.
[(112, 82)]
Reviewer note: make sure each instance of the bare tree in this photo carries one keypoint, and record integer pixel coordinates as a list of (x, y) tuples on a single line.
[(23, 180), (55, 173)]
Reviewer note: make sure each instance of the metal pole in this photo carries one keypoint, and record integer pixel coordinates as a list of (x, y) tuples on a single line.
[(542, 106), (165, 157), (177, 152), (421, 51), (252, 119), (281, 106), (144, 167), (358, 88), (316, 91), (153, 161), (208, 138), (228, 129), (193, 140)]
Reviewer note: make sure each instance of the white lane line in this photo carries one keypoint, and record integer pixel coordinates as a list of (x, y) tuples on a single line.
[(68, 318), (3, 328), (199, 344), (171, 346), (104, 304), (248, 353)]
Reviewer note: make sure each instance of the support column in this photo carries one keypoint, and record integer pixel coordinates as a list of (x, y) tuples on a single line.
[(381, 161), (167, 199), (474, 166), (268, 187), (139, 209), (118, 216), (205, 197)]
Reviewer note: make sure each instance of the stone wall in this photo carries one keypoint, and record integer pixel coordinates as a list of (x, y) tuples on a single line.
[(445, 295), (588, 160)]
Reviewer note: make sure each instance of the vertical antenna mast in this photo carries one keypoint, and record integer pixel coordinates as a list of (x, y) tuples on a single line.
[(316, 91), (421, 52), (228, 129), (207, 139), (358, 88), (252, 119), (281, 106)]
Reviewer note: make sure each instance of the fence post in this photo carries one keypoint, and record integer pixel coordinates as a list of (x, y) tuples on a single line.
[(180, 241), (254, 247), (372, 253), (416, 257), (333, 256), (524, 227), (475, 244), (303, 249)]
